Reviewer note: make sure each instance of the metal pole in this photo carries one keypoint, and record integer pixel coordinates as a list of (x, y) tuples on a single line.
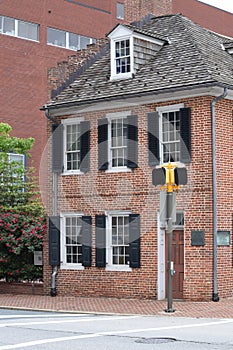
[(170, 262)]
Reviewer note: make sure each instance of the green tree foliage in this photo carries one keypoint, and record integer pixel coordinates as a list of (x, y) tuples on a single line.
[(22, 217)]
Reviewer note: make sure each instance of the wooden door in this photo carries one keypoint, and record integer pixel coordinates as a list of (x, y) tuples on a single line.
[(178, 259)]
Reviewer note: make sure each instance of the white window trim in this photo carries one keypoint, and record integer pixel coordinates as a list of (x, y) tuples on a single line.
[(16, 31), (109, 265), (128, 75), (64, 265), (65, 122), (67, 37), (161, 110), (110, 117)]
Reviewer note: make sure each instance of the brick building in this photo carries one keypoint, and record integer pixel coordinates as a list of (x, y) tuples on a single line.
[(35, 35), (161, 91)]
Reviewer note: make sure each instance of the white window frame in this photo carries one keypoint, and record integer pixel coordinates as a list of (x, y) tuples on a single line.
[(65, 123), (161, 110), (111, 117), (64, 265), (16, 28), (67, 41), (126, 75), (109, 249)]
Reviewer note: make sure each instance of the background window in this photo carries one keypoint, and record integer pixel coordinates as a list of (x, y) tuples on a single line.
[(73, 147), (118, 148), (120, 10), (56, 37), (27, 30), (20, 29), (120, 240), (170, 137), (73, 240), (68, 40)]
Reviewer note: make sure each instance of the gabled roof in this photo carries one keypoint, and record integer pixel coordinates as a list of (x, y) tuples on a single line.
[(193, 57)]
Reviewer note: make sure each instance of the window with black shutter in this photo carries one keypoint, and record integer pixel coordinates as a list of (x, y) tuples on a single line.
[(134, 240), (118, 143), (85, 146), (169, 135)]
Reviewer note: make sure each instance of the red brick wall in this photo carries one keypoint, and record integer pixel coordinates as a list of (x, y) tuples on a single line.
[(95, 192), (21, 288)]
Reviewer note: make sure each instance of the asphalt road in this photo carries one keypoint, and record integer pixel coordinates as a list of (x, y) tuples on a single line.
[(47, 330)]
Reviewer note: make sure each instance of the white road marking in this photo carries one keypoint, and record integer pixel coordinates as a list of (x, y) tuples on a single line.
[(49, 315), (93, 319), (113, 333)]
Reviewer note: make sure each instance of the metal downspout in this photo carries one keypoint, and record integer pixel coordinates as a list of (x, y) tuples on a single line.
[(215, 296), (53, 291)]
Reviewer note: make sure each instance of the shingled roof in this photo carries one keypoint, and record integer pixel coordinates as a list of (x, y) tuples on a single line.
[(193, 57)]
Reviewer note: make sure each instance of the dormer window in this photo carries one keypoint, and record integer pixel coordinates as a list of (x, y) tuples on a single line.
[(122, 56), (131, 49)]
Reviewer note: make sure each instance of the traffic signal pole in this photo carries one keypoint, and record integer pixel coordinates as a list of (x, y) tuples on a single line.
[(170, 261), (170, 177), (170, 184)]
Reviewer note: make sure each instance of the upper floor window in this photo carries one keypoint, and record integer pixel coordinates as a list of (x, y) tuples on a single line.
[(72, 146), (118, 142), (68, 40), (169, 135), (120, 10), (18, 28)]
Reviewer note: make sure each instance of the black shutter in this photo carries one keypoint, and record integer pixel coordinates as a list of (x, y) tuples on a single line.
[(134, 240), (103, 144), (57, 148), (85, 146), (132, 141), (86, 240), (100, 234), (185, 135), (54, 240), (153, 139)]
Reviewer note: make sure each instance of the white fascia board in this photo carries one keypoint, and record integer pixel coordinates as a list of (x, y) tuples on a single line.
[(130, 102), (119, 32)]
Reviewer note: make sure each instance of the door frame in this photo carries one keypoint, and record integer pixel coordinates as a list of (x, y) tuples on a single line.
[(161, 284)]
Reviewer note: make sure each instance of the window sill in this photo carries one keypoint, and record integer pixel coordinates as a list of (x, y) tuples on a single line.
[(72, 267), (72, 172), (119, 170), (121, 76), (122, 268)]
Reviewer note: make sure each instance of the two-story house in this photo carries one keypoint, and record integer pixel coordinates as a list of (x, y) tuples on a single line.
[(161, 91)]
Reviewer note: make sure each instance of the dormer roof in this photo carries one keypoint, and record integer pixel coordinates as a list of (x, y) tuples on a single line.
[(189, 57)]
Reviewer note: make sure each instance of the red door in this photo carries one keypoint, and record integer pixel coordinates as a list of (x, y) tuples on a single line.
[(178, 259)]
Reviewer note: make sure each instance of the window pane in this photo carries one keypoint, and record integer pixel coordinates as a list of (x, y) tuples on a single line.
[(74, 41), (84, 41), (28, 30), (9, 25), (120, 10), (56, 37)]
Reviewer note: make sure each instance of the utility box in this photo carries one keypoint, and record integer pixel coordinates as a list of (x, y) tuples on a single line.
[(38, 258)]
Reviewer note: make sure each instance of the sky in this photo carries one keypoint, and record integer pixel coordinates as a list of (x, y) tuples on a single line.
[(226, 5)]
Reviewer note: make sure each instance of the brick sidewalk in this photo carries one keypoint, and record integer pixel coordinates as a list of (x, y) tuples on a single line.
[(221, 309)]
